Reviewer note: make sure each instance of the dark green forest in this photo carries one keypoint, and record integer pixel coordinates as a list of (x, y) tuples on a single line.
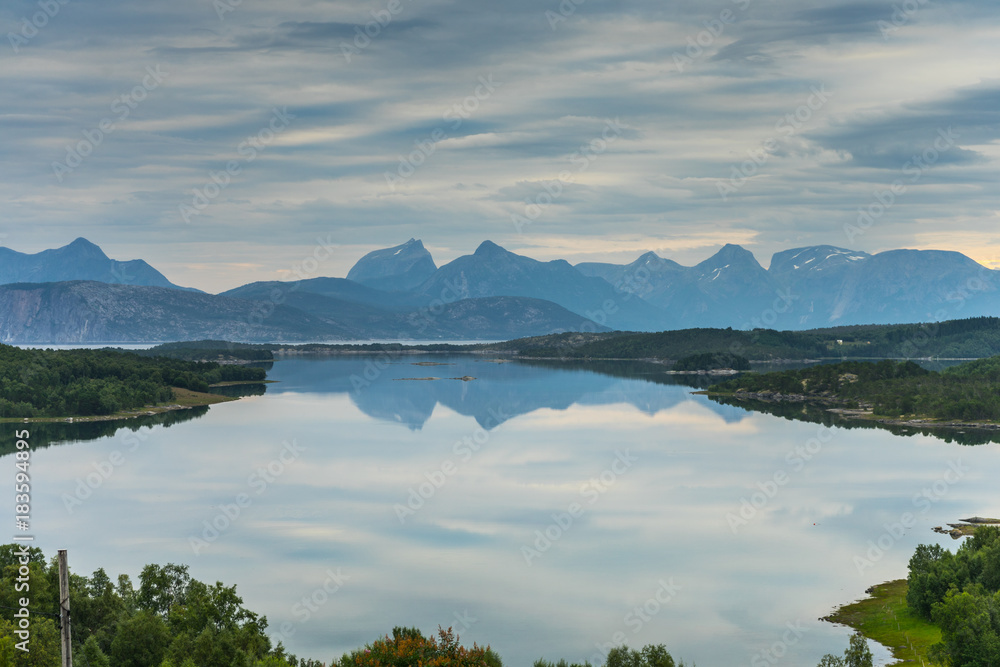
[(969, 391), (168, 620), (758, 344), (963, 339), (709, 361), (960, 593), (970, 338), (210, 350), (62, 383)]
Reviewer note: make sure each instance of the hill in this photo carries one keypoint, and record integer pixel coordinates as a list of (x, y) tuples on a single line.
[(954, 339)]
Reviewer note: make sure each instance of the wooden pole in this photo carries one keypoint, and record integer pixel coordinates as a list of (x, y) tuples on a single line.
[(67, 645)]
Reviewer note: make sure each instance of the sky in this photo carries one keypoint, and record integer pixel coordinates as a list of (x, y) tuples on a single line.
[(227, 141)]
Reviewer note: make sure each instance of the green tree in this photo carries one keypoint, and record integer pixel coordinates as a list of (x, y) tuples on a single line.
[(91, 655), (46, 650), (858, 654), (140, 641), (970, 628), (650, 656)]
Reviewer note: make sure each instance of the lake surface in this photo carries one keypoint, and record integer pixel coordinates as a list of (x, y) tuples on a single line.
[(543, 509)]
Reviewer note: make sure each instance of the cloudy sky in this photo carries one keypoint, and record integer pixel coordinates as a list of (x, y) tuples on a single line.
[(226, 141)]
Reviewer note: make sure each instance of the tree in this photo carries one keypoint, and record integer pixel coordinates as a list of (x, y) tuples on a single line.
[(857, 654), (91, 654), (970, 628), (141, 641), (408, 646), (160, 588), (45, 644)]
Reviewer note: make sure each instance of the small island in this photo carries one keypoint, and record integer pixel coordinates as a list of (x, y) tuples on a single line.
[(890, 392), (712, 363)]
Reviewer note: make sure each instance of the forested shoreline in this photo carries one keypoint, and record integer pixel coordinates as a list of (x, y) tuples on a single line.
[(78, 383), (967, 392)]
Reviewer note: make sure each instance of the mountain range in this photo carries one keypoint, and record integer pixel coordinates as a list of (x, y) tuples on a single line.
[(80, 260), (76, 294)]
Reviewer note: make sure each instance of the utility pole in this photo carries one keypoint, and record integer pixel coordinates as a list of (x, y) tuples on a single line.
[(67, 645)]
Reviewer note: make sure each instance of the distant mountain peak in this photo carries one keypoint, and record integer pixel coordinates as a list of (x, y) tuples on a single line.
[(814, 258), (398, 268), (490, 248), (82, 247), (728, 255), (649, 257), (78, 260)]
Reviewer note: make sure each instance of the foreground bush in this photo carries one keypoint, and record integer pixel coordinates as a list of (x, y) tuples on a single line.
[(408, 648)]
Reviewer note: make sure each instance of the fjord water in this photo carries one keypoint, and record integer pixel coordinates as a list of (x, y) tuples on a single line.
[(418, 502)]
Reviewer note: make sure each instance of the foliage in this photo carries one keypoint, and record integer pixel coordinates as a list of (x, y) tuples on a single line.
[(885, 618), (973, 337), (45, 644), (952, 339), (709, 361), (169, 619), (210, 350), (651, 655), (961, 593), (893, 389), (61, 383), (408, 647), (857, 654), (756, 344)]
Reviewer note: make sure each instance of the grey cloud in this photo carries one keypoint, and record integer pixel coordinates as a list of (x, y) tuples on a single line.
[(970, 116)]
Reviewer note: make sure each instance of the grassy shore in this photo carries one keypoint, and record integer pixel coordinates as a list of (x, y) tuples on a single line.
[(885, 618)]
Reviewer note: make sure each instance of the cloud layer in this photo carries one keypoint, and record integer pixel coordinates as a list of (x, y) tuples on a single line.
[(221, 139)]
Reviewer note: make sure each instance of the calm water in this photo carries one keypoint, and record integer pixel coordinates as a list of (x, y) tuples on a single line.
[(430, 501)]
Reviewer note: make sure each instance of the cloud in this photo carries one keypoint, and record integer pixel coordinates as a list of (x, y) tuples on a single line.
[(891, 138), (367, 109)]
